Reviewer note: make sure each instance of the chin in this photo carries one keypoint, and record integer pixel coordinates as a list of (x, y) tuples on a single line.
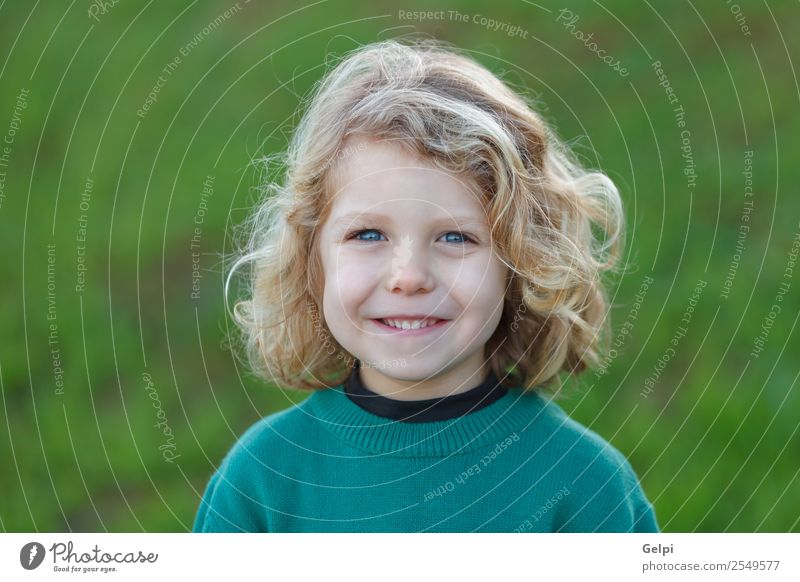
[(403, 369)]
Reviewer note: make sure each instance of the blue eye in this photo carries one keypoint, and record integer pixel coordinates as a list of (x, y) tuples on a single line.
[(356, 234), (466, 238), (360, 232)]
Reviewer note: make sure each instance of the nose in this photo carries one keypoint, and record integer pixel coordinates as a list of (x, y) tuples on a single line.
[(409, 270)]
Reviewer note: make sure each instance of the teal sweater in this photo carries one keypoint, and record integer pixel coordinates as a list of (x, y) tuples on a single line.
[(517, 465)]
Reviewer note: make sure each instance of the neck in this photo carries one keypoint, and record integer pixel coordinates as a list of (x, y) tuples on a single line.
[(465, 377)]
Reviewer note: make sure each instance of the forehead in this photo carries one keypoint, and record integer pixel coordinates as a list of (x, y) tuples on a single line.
[(379, 179)]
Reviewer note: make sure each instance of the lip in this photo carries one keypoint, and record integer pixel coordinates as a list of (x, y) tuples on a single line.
[(411, 332), (413, 316)]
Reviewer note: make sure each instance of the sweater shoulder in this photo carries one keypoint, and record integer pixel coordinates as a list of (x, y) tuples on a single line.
[(237, 497), (570, 438), (270, 433), (603, 489)]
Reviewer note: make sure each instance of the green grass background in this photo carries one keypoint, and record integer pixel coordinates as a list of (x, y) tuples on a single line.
[(715, 443)]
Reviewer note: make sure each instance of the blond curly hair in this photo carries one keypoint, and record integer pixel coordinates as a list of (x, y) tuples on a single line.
[(556, 225)]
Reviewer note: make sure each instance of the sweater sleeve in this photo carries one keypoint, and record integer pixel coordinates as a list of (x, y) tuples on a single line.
[(202, 511), (629, 510), (645, 518), (607, 497), (642, 512), (234, 497), (227, 507)]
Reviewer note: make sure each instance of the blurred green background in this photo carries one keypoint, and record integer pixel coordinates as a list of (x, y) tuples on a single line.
[(99, 200)]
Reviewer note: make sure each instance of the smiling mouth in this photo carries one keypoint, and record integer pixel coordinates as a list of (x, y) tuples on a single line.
[(411, 327)]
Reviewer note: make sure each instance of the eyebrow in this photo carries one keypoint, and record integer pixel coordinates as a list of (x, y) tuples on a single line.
[(354, 217)]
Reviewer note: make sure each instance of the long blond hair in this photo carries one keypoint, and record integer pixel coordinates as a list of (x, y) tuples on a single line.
[(556, 225)]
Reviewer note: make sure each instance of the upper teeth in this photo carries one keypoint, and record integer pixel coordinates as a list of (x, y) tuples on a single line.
[(405, 324)]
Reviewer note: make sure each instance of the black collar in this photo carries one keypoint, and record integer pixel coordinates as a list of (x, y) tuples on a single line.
[(429, 410)]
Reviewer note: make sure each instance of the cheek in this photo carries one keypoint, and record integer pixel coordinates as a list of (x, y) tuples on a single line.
[(360, 267), (480, 284), (348, 283)]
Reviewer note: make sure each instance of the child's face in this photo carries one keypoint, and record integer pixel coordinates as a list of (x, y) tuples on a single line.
[(410, 260)]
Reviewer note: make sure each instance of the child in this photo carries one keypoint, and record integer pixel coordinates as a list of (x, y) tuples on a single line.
[(428, 268)]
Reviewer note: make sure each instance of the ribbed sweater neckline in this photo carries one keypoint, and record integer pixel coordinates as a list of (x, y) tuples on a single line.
[(424, 410), (375, 434)]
